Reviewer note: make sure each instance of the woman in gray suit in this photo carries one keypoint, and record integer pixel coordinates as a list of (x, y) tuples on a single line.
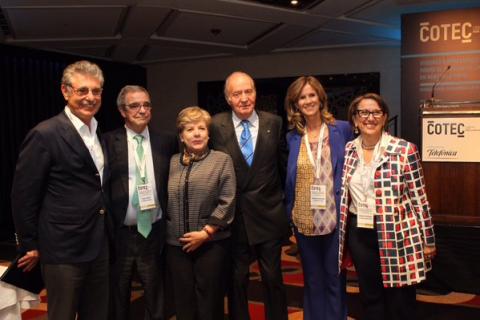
[(201, 202)]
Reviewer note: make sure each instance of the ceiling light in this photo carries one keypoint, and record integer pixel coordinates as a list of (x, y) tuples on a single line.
[(293, 2)]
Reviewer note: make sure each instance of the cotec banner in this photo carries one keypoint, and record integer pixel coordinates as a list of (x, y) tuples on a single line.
[(440, 61), (451, 139)]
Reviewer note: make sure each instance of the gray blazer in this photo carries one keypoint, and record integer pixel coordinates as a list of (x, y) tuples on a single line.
[(200, 193)]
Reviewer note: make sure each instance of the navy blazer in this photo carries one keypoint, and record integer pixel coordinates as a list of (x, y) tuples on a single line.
[(58, 201), (260, 199), (340, 132), (163, 146)]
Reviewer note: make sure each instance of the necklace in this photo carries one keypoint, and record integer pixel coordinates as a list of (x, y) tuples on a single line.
[(365, 147)]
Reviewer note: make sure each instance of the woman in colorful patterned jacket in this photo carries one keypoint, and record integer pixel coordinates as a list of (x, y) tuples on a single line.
[(312, 191), (385, 219)]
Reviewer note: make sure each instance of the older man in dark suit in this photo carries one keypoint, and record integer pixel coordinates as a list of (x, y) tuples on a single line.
[(139, 162), (255, 141), (58, 201)]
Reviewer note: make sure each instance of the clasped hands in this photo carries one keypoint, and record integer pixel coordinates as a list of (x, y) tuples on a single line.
[(192, 240)]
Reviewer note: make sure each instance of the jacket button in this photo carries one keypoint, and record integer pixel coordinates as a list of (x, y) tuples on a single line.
[(102, 211)]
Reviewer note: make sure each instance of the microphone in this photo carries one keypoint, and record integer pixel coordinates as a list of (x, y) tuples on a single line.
[(432, 96)]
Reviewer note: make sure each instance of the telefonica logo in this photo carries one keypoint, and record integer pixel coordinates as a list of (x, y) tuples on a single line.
[(441, 153), (458, 31)]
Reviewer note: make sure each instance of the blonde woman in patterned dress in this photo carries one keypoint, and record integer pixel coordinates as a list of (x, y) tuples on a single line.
[(316, 150), (385, 216)]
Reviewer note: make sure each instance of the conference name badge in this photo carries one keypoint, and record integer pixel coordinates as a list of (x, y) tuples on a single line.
[(318, 196), (145, 196), (365, 214)]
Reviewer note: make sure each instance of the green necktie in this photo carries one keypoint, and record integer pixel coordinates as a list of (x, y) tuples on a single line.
[(144, 218)]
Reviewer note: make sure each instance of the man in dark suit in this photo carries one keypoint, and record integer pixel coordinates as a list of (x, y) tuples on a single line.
[(138, 193), (255, 141), (58, 201)]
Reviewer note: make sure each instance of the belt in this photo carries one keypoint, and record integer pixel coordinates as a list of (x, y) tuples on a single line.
[(130, 228), (133, 228)]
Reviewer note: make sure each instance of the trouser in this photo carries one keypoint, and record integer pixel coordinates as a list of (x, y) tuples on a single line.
[(379, 303), (199, 280), (80, 288)]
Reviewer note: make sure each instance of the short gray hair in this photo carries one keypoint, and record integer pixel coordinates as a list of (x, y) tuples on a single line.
[(227, 82), (126, 90), (83, 67)]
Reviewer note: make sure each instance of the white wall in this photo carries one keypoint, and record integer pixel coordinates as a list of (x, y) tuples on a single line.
[(173, 85)]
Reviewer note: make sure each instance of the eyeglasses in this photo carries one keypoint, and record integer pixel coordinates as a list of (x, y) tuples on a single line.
[(137, 105), (83, 91), (238, 94), (377, 114)]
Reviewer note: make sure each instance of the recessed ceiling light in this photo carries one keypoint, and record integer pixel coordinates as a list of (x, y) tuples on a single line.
[(294, 2)]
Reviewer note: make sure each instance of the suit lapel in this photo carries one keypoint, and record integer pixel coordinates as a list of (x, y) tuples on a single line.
[(352, 159), (73, 139), (232, 143), (106, 167), (334, 144), (387, 147), (156, 158), (263, 131), (121, 151)]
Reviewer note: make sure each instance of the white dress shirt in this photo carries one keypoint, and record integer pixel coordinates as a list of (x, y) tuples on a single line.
[(361, 184), (90, 138), (131, 216), (237, 124)]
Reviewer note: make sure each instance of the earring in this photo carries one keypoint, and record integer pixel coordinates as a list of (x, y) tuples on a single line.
[(356, 130)]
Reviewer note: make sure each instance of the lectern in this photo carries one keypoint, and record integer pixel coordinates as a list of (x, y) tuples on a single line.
[(450, 148)]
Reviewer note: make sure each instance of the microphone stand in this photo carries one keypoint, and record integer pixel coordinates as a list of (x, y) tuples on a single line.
[(431, 101)]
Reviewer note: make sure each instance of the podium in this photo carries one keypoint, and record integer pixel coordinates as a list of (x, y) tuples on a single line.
[(450, 149)]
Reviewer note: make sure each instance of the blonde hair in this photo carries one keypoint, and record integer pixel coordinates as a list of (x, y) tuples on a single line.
[(295, 117), (190, 115)]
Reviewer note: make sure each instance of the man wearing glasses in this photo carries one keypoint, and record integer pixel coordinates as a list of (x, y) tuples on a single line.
[(58, 201), (139, 162)]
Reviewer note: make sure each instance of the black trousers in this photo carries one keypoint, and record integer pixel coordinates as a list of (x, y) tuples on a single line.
[(379, 303), (78, 289), (268, 255), (143, 256), (199, 280)]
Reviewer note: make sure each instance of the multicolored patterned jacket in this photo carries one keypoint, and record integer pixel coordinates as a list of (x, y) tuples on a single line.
[(403, 221)]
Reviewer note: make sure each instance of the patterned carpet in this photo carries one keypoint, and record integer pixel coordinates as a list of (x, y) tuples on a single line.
[(431, 305)]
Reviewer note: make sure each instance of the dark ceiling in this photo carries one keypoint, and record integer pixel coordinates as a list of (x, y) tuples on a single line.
[(152, 31)]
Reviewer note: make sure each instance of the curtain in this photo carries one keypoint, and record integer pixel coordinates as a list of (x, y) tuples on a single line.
[(30, 93)]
